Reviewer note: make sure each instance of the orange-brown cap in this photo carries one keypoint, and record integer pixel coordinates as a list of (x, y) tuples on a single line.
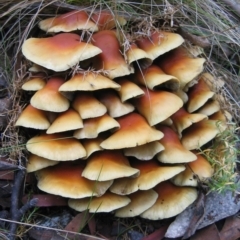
[(159, 43), (88, 106), (108, 202), (210, 107), (32, 117), (108, 165), (129, 90), (106, 20), (59, 147), (174, 151), (92, 145), (134, 131), (68, 22), (116, 108), (140, 202), (49, 99), (153, 77), (183, 95), (66, 121), (111, 60), (198, 95), (88, 82), (65, 180), (34, 84), (221, 116), (59, 52), (171, 201), (155, 102), (180, 65), (151, 174), (93, 126), (201, 133), (36, 163), (183, 119), (144, 152), (198, 170)]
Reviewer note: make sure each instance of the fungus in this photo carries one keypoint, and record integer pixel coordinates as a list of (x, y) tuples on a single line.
[(134, 131), (108, 202), (171, 201), (108, 165), (49, 94), (174, 151), (155, 102), (68, 22), (92, 145), (58, 53), (59, 147), (209, 108), (65, 180), (34, 84)]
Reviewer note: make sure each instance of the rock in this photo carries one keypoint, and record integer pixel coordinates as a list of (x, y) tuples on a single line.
[(134, 235), (217, 207)]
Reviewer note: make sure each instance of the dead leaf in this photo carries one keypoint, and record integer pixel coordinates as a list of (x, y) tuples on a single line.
[(92, 224), (210, 232), (158, 234), (231, 228)]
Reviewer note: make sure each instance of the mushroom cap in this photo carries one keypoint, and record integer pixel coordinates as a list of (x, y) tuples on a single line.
[(134, 131), (93, 126), (198, 95), (65, 180), (32, 117), (171, 201), (36, 163), (154, 77), (201, 133), (58, 53), (66, 121), (183, 95), (151, 174), (49, 94), (180, 65), (183, 119), (106, 20), (140, 202), (144, 152), (136, 54), (106, 203), (88, 106), (92, 145), (174, 151), (59, 147), (110, 60), (108, 165), (68, 22), (34, 84), (159, 43), (223, 116), (129, 90), (115, 107), (209, 108), (35, 68), (200, 169), (88, 82), (155, 102)]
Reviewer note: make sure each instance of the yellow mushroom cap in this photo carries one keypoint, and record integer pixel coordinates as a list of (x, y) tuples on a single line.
[(34, 84)]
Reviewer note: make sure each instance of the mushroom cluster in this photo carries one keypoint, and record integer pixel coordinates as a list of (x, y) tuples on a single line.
[(121, 133)]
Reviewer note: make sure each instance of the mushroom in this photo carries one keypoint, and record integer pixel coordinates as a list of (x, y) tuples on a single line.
[(65, 180), (174, 151), (88, 106), (179, 64), (49, 94), (110, 60), (93, 126), (108, 202), (108, 165), (151, 174), (159, 43), (34, 84), (32, 117), (134, 131), (59, 147), (68, 22), (58, 53), (171, 201), (92, 145), (209, 108), (155, 102), (140, 202)]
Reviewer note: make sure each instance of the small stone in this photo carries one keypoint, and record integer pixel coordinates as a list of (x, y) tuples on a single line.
[(134, 235)]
